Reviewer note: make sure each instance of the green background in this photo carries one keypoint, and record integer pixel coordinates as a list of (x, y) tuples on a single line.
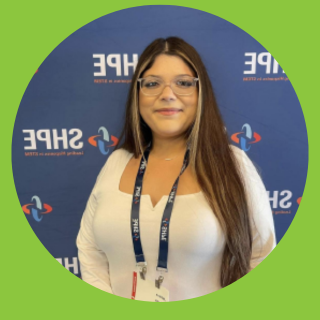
[(35, 285)]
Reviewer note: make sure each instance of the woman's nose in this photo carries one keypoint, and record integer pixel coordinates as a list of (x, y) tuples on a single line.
[(167, 93)]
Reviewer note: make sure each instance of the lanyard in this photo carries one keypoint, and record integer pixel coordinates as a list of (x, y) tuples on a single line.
[(165, 222)]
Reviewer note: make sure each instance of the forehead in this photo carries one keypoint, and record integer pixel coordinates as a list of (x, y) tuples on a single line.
[(168, 66)]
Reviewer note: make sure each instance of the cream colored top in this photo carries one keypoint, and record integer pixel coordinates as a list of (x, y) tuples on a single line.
[(196, 239)]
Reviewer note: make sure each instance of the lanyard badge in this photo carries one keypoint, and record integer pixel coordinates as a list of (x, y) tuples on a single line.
[(165, 222)]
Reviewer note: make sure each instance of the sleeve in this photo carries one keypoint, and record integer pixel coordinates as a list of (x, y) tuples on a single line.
[(261, 219), (93, 261)]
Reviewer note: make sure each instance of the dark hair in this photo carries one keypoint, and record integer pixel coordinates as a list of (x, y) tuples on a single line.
[(216, 167)]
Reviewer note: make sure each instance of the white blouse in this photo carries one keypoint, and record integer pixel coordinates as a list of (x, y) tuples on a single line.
[(196, 244)]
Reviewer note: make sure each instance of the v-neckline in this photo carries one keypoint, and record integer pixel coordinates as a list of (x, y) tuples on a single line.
[(153, 208), (150, 201), (149, 198)]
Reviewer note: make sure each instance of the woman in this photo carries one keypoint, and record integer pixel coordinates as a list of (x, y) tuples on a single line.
[(176, 147)]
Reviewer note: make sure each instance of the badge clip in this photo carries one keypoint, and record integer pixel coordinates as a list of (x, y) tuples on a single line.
[(161, 278), (159, 282), (143, 273), (142, 270)]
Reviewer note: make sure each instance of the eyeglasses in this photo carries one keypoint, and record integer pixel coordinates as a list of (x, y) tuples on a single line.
[(181, 85)]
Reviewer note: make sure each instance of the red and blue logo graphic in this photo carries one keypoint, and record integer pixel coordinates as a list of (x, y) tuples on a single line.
[(299, 200), (37, 209), (246, 137), (102, 139)]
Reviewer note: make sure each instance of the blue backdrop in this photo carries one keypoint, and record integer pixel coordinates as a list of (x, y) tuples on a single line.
[(73, 109)]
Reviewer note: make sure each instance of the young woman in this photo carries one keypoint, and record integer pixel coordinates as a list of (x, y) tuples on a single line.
[(175, 200)]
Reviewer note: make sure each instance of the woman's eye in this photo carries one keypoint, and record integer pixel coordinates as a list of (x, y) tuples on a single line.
[(184, 83), (151, 84)]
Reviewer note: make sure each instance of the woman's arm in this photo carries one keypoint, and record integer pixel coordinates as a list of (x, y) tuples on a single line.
[(94, 264), (262, 225)]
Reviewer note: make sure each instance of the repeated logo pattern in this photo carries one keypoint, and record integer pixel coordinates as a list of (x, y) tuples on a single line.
[(37, 209), (102, 139), (246, 137)]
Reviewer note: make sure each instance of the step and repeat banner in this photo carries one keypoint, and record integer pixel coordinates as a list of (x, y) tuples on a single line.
[(72, 112)]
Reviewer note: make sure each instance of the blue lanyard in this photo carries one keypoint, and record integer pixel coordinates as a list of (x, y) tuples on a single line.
[(165, 222)]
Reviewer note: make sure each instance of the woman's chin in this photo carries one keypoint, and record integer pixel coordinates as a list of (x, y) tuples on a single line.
[(169, 132)]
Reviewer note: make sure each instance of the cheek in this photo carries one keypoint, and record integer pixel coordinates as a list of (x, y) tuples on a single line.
[(141, 103), (192, 105), (144, 103)]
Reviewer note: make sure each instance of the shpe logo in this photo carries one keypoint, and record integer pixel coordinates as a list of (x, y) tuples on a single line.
[(37, 209), (101, 139), (246, 137), (114, 61), (262, 60)]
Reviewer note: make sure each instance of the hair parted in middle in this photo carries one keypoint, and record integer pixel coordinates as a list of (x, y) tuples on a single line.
[(211, 157)]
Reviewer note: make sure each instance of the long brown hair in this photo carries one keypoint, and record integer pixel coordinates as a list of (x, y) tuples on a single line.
[(211, 158)]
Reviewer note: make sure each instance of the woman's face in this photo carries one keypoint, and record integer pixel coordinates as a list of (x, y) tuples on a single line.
[(165, 124)]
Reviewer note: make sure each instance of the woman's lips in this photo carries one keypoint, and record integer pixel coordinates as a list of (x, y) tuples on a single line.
[(168, 112)]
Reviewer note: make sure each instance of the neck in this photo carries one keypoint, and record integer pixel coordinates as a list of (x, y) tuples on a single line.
[(168, 147)]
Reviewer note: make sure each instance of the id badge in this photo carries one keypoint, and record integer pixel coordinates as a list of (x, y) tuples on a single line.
[(146, 290)]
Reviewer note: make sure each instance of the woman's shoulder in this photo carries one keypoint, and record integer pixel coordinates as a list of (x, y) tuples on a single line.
[(240, 156), (236, 151), (118, 154), (249, 169), (115, 162), (117, 158)]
